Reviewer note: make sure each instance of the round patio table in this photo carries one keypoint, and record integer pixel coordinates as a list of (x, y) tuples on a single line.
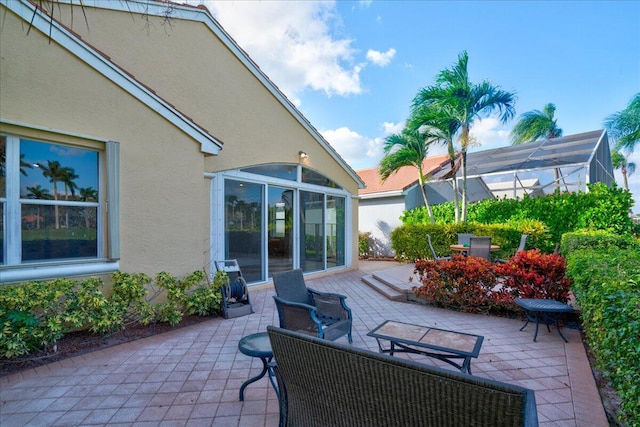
[(257, 345), (546, 311)]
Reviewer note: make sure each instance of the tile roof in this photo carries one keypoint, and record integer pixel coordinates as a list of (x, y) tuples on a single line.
[(404, 178)]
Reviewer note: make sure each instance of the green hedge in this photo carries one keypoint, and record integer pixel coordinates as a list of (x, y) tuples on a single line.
[(602, 208), (35, 315), (410, 240), (606, 283)]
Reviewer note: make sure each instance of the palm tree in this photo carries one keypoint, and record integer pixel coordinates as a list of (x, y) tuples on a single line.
[(55, 172), (406, 149), (462, 101), (624, 126), (534, 125), (88, 194), (619, 161), (439, 129), (38, 192)]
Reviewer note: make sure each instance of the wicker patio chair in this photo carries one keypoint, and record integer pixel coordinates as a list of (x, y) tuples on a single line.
[(323, 383), (322, 314)]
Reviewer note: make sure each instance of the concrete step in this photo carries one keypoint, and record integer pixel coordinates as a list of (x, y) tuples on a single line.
[(384, 288), (395, 283)]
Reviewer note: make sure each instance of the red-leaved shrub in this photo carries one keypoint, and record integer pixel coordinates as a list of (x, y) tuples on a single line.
[(464, 283), (475, 285), (531, 274)]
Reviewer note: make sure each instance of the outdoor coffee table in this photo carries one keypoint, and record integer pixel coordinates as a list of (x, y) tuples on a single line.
[(257, 345), (438, 343), (546, 311)]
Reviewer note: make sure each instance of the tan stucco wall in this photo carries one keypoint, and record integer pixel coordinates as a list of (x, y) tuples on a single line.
[(162, 187), (164, 196), (185, 63)]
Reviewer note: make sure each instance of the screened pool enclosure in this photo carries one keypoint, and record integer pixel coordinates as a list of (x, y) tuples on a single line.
[(567, 163)]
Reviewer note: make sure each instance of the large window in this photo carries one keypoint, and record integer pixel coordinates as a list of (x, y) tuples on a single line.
[(50, 206), (270, 222)]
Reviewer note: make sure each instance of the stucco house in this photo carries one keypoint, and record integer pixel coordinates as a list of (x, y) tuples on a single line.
[(534, 169), (383, 202), (138, 136)]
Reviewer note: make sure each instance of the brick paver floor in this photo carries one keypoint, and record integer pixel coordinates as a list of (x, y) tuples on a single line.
[(192, 376)]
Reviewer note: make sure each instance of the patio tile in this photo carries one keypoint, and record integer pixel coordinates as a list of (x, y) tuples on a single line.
[(192, 376)]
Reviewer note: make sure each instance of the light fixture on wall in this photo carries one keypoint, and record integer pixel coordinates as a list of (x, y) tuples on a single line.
[(303, 155)]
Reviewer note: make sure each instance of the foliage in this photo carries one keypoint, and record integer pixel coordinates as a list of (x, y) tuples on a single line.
[(34, 315), (410, 242), (531, 274), (624, 126), (536, 124), (476, 285), (606, 283), (597, 239), (602, 208), (363, 244), (203, 298), (464, 283), (457, 102), (402, 150)]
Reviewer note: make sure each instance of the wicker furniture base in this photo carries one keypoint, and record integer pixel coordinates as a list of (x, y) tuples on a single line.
[(323, 383)]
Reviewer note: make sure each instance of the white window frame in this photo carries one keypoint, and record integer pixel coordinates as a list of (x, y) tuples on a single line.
[(106, 261), (217, 211)]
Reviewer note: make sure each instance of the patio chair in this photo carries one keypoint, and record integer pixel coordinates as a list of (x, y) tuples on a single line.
[(433, 252), (523, 243), (480, 246), (302, 309)]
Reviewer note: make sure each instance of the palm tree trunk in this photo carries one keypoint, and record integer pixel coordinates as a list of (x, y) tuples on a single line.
[(464, 139), (421, 181), (623, 170)]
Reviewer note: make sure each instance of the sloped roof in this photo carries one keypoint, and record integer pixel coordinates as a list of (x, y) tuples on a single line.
[(543, 154), (96, 59), (400, 181)]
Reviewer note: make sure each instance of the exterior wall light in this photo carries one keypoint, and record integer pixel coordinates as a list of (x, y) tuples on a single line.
[(303, 155)]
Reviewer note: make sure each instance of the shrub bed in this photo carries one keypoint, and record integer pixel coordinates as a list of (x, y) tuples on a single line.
[(474, 284), (606, 283), (35, 315)]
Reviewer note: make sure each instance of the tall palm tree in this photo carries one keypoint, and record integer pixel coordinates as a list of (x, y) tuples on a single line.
[(439, 128), (406, 149), (457, 98), (619, 161), (534, 125), (55, 172), (624, 126)]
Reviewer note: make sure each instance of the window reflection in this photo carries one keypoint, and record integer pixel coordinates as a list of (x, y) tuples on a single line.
[(243, 227)]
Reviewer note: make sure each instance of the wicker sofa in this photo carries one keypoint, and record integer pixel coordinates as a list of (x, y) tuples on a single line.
[(323, 383)]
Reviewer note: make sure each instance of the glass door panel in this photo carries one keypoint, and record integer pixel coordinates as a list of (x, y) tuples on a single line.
[(280, 229), (311, 231), (335, 231), (243, 227)]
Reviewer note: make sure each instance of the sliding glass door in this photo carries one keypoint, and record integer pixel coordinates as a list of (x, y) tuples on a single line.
[(280, 229), (243, 227)]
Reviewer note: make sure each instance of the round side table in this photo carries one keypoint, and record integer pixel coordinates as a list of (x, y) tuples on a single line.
[(256, 345)]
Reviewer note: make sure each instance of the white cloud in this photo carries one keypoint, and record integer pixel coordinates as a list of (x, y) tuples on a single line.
[(359, 151), (488, 133), (381, 59), (293, 44)]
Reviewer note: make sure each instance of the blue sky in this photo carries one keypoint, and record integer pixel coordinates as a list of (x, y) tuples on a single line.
[(353, 67)]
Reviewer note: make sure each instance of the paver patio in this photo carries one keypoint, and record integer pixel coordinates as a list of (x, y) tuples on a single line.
[(192, 376)]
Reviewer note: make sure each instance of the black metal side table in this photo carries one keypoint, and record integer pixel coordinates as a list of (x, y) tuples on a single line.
[(257, 345), (546, 311)]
